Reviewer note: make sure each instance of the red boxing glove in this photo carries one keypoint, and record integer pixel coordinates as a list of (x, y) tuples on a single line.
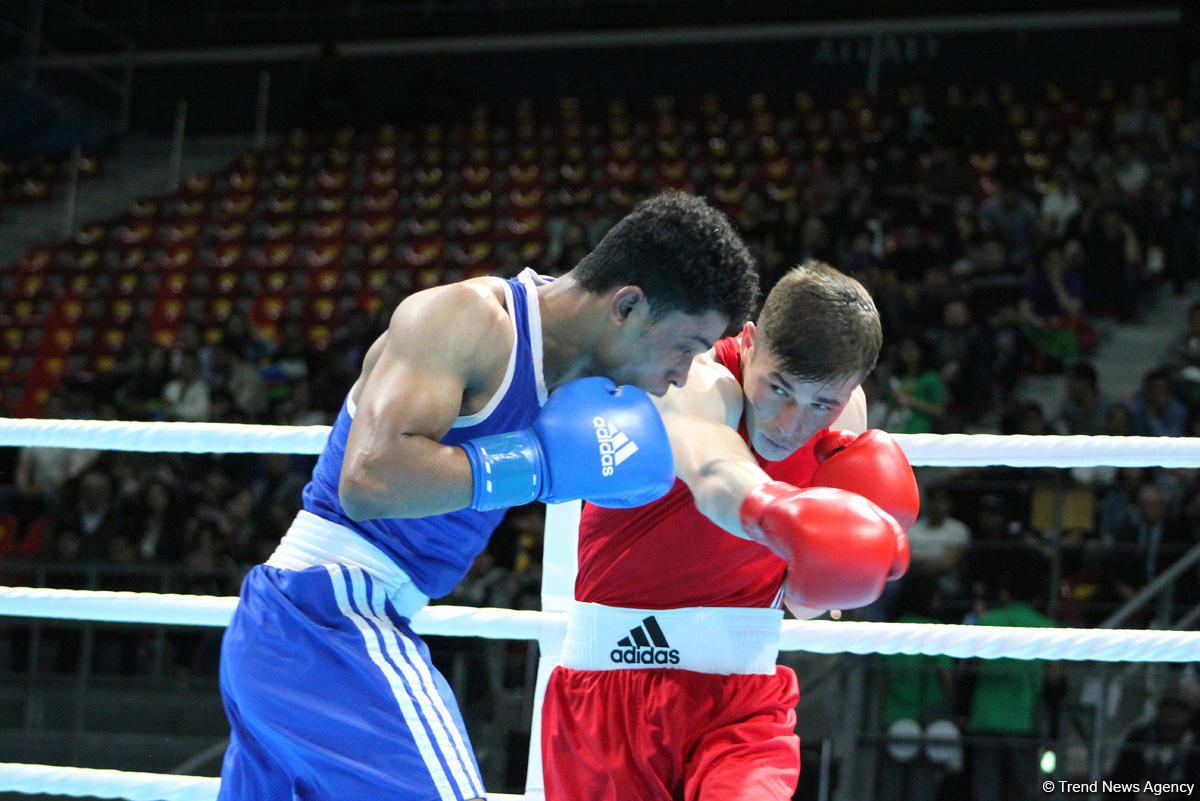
[(840, 547), (871, 465)]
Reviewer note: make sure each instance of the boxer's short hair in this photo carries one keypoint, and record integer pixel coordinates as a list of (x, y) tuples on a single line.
[(821, 324), (683, 253)]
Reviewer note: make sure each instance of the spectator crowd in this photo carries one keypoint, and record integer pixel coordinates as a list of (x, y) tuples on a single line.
[(1000, 236)]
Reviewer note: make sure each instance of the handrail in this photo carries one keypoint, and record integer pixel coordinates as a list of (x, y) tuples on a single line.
[(1160, 582), (49, 50), (38, 52), (98, 25)]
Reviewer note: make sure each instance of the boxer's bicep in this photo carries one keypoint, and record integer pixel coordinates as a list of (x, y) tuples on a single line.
[(394, 465)]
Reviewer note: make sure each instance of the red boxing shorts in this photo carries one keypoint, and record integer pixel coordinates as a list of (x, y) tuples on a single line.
[(665, 735)]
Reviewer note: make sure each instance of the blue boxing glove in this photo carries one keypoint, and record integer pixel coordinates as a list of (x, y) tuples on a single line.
[(593, 440)]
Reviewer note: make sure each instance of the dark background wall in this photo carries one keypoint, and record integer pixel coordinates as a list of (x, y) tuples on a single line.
[(222, 97)]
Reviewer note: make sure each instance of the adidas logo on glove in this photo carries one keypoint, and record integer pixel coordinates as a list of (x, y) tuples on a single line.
[(645, 645), (615, 447)]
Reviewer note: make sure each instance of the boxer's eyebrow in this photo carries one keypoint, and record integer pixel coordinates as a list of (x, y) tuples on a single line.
[(779, 378)]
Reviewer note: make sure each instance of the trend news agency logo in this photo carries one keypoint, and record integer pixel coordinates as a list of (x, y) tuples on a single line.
[(645, 645)]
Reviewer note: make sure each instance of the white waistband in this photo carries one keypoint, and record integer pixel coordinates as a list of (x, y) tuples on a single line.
[(313, 540), (706, 639)]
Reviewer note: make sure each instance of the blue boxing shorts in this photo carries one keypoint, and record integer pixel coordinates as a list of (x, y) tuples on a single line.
[(330, 694)]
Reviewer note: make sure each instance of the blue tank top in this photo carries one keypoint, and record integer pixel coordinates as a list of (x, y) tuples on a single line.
[(437, 551)]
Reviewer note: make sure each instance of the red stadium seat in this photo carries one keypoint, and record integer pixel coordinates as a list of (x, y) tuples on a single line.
[(38, 258), (423, 252), (183, 229), (196, 185), (244, 182), (277, 254), (381, 199), (181, 256), (323, 253), (424, 225)]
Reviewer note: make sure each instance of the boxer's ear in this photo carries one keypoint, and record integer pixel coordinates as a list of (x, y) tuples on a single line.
[(624, 301)]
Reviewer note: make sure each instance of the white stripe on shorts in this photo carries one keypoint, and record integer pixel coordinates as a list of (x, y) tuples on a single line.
[(407, 709), (424, 690)]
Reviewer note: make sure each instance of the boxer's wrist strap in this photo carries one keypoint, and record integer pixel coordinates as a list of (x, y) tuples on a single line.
[(506, 469)]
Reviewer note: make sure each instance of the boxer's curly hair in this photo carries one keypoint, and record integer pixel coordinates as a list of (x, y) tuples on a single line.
[(821, 324), (683, 253)]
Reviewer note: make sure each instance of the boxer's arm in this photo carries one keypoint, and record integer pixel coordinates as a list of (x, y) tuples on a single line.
[(701, 419), (438, 343), (711, 457)]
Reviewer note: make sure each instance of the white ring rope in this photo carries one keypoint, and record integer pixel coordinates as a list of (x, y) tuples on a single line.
[(210, 610), (52, 780), (548, 627), (817, 636), (1013, 450), (1048, 450), (115, 435)]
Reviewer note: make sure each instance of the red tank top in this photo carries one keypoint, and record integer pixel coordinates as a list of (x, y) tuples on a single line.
[(667, 555)]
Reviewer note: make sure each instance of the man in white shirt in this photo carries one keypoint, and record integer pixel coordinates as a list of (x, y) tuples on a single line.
[(937, 541)]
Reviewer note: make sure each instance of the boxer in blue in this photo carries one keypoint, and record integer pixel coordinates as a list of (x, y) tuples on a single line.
[(480, 396)]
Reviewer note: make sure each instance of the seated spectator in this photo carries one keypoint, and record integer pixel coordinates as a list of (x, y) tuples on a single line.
[(1118, 420), (187, 396), (42, 472), (987, 283), (1007, 700), (912, 256), (140, 393), (156, 523), (962, 350), (1167, 235), (1156, 411), (1012, 217), (1130, 172), (1182, 360), (1084, 406), (83, 529), (243, 382), (1061, 204), (1149, 539), (960, 228), (1163, 749), (1025, 417), (863, 258), (915, 393), (240, 333), (1139, 119), (1051, 311), (916, 690), (1112, 268), (1001, 546), (1117, 502), (938, 542)]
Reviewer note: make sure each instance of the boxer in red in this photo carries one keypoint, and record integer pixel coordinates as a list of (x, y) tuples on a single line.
[(668, 688)]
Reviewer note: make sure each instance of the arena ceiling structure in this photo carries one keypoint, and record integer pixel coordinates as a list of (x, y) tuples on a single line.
[(168, 24)]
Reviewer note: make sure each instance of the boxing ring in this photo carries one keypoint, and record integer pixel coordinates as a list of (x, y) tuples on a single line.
[(548, 626)]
